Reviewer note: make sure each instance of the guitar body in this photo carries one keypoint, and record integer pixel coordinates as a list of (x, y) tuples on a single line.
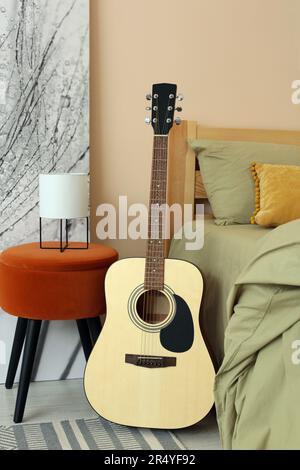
[(147, 373)]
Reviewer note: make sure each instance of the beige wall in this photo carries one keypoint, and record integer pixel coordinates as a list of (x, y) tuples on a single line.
[(234, 61)]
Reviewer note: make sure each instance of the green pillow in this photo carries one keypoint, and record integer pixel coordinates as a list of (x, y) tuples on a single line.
[(226, 173)]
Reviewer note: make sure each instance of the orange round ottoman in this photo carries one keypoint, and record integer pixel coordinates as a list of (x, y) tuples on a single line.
[(45, 284), (48, 284)]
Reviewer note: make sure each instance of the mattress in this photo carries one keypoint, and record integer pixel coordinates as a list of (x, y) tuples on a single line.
[(226, 251)]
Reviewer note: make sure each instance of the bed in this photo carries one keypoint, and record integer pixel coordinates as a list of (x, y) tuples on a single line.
[(252, 290), (227, 249)]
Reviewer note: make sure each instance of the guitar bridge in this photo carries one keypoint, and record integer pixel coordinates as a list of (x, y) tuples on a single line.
[(151, 362)]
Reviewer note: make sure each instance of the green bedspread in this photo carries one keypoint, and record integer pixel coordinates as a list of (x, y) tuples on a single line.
[(257, 388)]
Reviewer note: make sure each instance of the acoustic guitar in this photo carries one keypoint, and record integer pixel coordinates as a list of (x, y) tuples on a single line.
[(150, 366)]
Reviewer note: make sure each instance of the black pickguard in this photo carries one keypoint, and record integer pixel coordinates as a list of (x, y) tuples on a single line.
[(178, 336)]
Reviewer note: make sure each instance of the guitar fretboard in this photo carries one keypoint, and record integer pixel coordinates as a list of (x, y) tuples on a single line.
[(155, 259)]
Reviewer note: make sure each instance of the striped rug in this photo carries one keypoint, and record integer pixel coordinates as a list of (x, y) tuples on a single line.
[(85, 434)]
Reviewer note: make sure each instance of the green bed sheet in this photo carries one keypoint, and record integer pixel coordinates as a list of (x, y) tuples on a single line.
[(226, 251), (257, 388)]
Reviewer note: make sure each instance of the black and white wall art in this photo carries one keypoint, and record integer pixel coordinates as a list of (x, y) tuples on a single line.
[(44, 127)]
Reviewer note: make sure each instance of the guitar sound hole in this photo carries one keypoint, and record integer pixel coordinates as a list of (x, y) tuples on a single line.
[(153, 307)]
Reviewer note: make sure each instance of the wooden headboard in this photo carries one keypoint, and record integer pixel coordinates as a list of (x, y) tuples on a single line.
[(184, 180)]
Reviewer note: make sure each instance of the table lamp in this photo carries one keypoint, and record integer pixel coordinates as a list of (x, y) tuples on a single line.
[(63, 197)]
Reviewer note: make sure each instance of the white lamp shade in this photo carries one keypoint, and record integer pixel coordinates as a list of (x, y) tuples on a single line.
[(64, 196)]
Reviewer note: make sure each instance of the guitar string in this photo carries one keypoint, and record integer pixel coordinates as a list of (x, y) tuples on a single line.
[(150, 252), (159, 166), (145, 300), (163, 159), (160, 193), (155, 255), (153, 215), (150, 241), (163, 167), (143, 335), (150, 235)]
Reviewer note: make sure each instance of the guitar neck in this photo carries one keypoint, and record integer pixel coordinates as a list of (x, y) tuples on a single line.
[(155, 255)]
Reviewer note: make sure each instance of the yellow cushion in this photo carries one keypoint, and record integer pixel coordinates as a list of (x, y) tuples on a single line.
[(277, 194)]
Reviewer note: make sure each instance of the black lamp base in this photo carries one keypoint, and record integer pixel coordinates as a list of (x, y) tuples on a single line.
[(64, 245)]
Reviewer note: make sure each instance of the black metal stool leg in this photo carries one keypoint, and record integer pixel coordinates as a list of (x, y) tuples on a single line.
[(32, 336), (95, 328), (85, 337), (16, 351)]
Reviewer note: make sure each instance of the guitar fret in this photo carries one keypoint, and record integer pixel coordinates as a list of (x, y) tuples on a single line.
[(157, 249), (155, 266), (158, 256)]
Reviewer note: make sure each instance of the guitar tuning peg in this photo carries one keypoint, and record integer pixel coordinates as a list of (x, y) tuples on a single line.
[(179, 109), (147, 120), (148, 108), (177, 121), (149, 97), (179, 97)]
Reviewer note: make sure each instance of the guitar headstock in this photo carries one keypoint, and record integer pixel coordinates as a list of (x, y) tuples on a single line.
[(163, 102)]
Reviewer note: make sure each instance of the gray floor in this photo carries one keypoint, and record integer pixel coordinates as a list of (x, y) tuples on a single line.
[(66, 400)]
